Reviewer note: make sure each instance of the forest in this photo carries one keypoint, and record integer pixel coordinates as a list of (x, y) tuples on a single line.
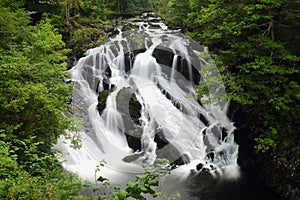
[(255, 45)]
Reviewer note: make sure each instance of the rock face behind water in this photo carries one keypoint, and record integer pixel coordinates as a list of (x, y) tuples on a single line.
[(102, 100), (130, 109)]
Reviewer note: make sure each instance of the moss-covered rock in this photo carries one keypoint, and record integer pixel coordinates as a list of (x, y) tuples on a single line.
[(135, 19)]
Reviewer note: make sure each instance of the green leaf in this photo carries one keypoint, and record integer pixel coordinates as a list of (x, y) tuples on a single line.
[(122, 195), (132, 185), (101, 179), (87, 184), (95, 188), (141, 176), (144, 189), (153, 182)]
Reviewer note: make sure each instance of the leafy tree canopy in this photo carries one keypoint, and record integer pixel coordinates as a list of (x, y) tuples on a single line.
[(255, 43)]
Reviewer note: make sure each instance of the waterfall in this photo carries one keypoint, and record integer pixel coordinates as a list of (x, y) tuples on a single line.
[(150, 111)]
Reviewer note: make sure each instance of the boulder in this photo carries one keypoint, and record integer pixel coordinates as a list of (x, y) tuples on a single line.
[(133, 157), (130, 110), (102, 100)]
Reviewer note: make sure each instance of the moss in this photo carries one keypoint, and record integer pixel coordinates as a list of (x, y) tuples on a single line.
[(84, 38), (134, 19)]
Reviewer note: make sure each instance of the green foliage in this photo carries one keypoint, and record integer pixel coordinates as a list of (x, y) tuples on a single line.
[(84, 38), (26, 186), (131, 7), (34, 107), (38, 178), (259, 69), (175, 12), (256, 43), (144, 185), (8, 163), (12, 23), (134, 19), (164, 8), (100, 8), (33, 92)]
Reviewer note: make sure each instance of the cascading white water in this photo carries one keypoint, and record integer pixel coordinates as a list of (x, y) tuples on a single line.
[(167, 108)]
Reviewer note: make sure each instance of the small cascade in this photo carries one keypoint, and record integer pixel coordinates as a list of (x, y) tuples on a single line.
[(144, 80), (174, 66)]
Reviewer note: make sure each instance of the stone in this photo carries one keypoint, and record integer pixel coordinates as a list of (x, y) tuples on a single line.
[(102, 100), (133, 157), (130, 108)]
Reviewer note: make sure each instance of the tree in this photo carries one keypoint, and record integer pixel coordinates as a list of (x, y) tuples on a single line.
[(33, 107), (164, 8), (71, 6), (33, 92), (252, 41), (178, 13), (263, 71)]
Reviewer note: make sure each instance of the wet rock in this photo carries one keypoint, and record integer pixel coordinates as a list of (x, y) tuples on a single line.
[(148, 14), (68, 81), (128, 27), (102, 100), (133, 157), (154, 26), (134, 142), (199, 166), (210, 156), (182, 160), (113, 31), (203, 118), (154, 19), (130, 56), (211, 137), (130, 109), (201, 184), (109, 29), (160, 139), (171, 153), (165, 56)]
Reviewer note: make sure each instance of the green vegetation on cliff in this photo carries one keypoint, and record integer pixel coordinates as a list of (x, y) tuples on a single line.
[(255, 43), (34, 106)]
